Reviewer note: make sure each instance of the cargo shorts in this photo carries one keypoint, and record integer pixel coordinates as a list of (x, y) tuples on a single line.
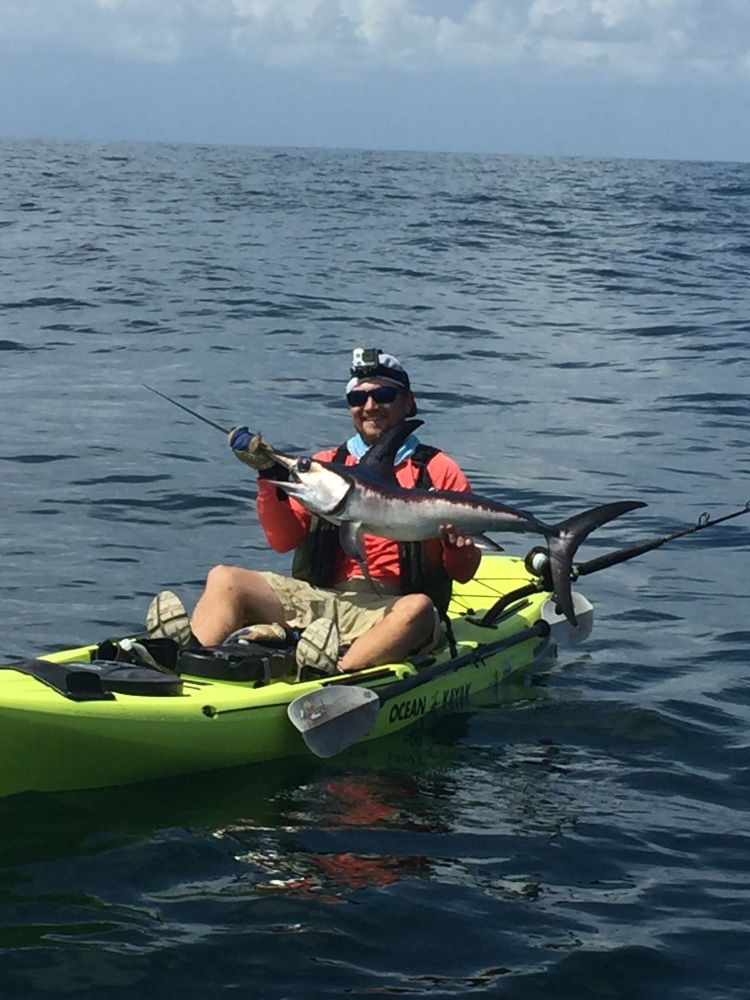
[(352, 604)]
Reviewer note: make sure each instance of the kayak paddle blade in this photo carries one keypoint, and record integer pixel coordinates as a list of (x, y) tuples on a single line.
[(333, 717), (561, 630)]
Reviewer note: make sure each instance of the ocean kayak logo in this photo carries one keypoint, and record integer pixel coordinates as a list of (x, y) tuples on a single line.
[(414, 708)]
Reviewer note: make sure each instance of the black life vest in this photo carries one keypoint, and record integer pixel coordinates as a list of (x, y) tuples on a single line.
[(315, 558)]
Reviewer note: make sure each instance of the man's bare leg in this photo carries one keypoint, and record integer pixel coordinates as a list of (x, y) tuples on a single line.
[(405, 629), (233, 597)]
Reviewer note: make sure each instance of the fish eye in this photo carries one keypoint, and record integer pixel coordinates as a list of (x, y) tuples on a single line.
[(303, 464)]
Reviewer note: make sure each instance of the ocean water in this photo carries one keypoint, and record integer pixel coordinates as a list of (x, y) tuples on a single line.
[(577, 332)]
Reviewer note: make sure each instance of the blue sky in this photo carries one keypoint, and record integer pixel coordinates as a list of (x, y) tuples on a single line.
[(639, 78)]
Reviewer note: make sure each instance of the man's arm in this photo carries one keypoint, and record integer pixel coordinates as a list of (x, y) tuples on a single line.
[(461, 557), (284, 522), (284, 525)]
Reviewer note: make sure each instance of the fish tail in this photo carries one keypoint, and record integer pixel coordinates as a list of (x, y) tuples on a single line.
[(563, 541)]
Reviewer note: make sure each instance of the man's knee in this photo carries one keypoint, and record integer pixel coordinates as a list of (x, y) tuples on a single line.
[(417, 612), (413, 605), (229, 578)]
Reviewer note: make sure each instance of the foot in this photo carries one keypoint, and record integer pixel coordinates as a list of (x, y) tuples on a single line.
[(167, 618), (318, 650)]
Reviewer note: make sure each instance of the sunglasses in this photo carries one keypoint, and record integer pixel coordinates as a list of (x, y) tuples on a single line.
[(380, 394)]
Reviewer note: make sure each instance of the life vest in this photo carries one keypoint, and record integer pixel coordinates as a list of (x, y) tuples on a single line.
[(315, 558)]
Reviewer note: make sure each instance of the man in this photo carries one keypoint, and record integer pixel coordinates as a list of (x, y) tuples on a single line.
[(346, 625)]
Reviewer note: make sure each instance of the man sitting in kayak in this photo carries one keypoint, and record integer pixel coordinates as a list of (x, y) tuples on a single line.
[(346, 624)]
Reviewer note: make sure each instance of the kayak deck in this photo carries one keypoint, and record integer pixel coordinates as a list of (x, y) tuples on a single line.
[(50, 742)]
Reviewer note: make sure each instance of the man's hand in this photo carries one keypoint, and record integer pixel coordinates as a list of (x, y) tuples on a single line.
[(452, 538), (252, 449), (461, 556)]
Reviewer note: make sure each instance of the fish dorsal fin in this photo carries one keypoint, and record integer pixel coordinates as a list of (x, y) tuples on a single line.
[(379, 459)]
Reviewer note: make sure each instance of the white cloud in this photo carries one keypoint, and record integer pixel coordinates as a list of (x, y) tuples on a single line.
[(640, 39), (629, 39), (597, 18)]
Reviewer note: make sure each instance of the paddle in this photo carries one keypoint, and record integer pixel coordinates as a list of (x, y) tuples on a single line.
[(337, 715)]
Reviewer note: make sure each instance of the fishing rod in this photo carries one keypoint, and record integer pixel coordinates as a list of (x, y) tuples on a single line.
[(193, 413), (631, 551), (261, 445), (537, 562)]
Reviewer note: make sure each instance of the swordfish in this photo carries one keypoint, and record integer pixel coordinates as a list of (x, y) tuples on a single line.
[(367, 499)]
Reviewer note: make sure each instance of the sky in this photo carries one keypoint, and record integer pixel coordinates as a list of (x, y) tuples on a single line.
[(660, 79)]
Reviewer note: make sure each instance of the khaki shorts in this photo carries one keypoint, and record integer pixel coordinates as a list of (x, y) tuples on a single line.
[(352, 605)]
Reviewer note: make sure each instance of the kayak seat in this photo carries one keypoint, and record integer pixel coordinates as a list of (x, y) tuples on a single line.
[(256, 662)]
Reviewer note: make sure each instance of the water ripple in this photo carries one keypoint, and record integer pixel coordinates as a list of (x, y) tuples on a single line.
[(576, 331)]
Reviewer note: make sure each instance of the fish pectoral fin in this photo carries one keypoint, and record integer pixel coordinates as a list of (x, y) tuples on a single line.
[(485, 542), (352, 541)]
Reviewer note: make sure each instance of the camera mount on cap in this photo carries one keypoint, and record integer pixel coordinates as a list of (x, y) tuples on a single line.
[(365, 361)]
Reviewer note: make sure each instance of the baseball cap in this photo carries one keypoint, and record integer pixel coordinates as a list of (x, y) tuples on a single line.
[(370, 363)]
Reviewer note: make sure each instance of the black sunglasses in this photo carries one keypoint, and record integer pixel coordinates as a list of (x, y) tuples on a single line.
[(380, 394)]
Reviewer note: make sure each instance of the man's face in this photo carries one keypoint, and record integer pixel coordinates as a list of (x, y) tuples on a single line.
[(372, 418)]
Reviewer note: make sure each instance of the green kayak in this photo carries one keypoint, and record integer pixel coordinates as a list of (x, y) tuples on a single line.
[(73, 720)]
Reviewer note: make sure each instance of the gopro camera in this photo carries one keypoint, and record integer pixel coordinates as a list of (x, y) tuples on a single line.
[(365, 361)]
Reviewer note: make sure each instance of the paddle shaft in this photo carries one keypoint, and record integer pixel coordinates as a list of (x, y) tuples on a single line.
[(539, 630)]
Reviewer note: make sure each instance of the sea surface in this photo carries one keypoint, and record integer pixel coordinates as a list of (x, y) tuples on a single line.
[(577, 332)]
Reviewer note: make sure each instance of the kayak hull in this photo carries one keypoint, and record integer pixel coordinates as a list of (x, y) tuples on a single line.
[(50, 742)]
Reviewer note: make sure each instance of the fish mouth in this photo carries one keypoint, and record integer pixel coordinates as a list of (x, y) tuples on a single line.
[(319, 502), (302, 493), (287, 461)]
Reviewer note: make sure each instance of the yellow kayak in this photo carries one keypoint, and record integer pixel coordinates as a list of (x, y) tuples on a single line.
[(66, 723)]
